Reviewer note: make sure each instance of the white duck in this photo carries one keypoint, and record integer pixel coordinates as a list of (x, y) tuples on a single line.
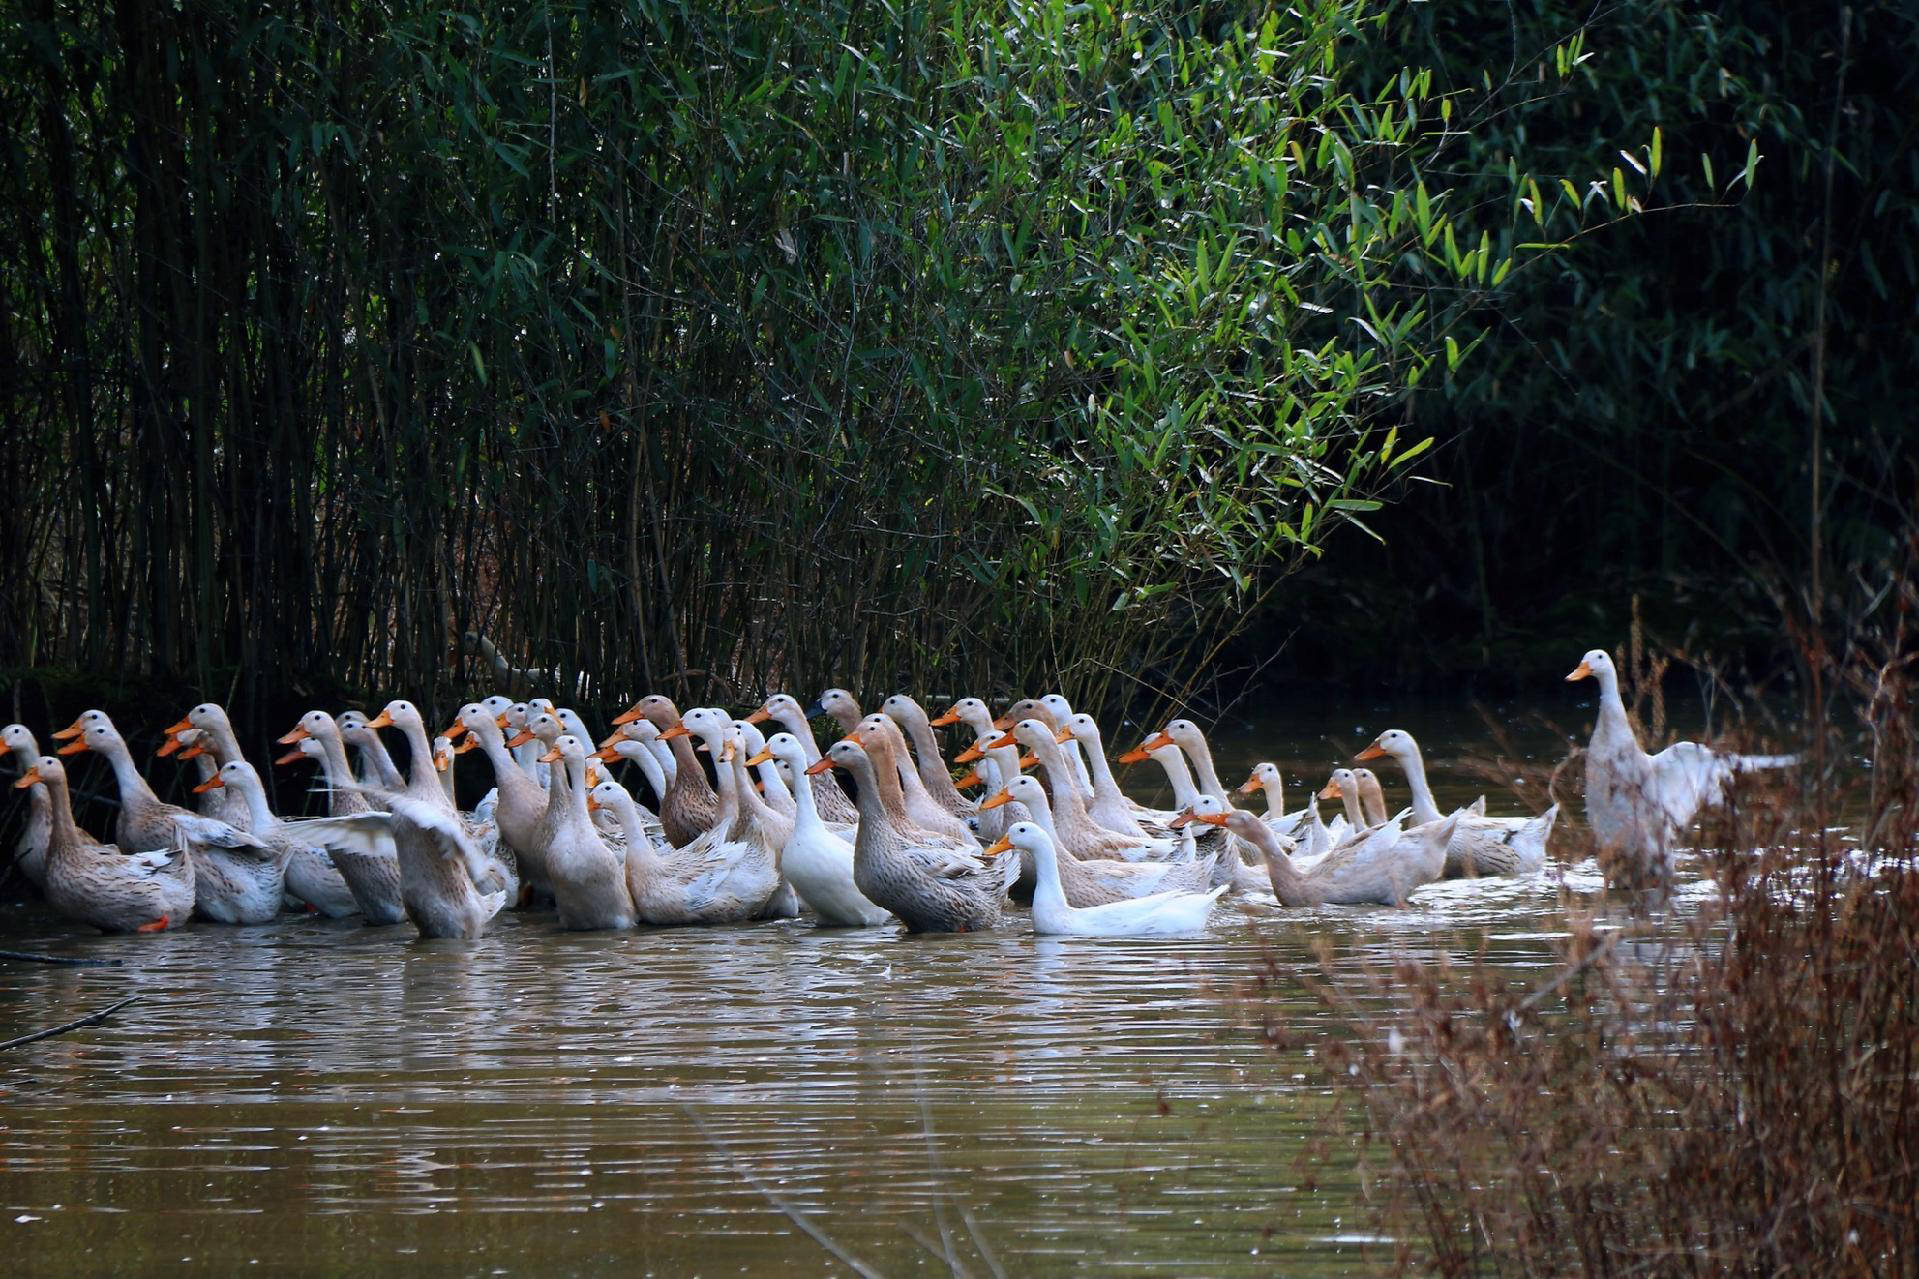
[(929, 762), (1637, 804), (1096, 881), (1159, 915), (816, 861), (834, 807), (310, 873), (369, 863), (587, 876), (1303, 826), (1374, 867), (376, 764), (1480, 845)]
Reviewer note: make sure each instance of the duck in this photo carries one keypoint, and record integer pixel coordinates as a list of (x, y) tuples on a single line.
[(443, 765), (901, 789), (1480, 846), (772, 786), (191, 745), (760, 821), (1638, 804), (929, 762), (1373, 868), (691, 805), (376, 765), (440, 867), (369, 864), (816, 860), (1302, 826), (841, 705), (482, 825), (237, 878), (422, 781), (1058, 712), (588, 878), (834, 807), (1162, 914), (310, 873), (1037, 708), (1109, 806), (712, 878), (934, 883), (992, 771), (637, 752), (1095, 881), (30, 850), (99, 885), (527, 753)]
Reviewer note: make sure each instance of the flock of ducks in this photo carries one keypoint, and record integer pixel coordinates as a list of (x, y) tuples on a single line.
[(772, 833)]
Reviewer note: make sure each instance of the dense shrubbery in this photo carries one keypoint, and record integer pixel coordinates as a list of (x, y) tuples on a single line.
[(703, 346)]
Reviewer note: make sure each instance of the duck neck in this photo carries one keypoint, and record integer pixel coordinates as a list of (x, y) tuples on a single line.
[(806, 813), (1425, 808), (932, 766), (649, 768), (1613, 723), (688, 776), (1202, 756), (333, 765), (66, 833), (1069, 807), (1289, 886), (1042, 814), (795, 723), (1105, 786), (1350, 798), (133, 787), (1185, 794), (1048, 892), (639, 847), (422, 777), (255, 798)]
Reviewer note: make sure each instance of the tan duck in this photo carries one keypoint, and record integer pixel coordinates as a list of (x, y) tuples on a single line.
[(901, 789), (588, 876), (1372, 868), (934, 883), (310, 873), (1094, 881), (422, 777), (1480, 845), (98, 884), (237, 878), (30, 850), (929, 763), (834, 807), (691, 805), (369, 864), (439, 866)]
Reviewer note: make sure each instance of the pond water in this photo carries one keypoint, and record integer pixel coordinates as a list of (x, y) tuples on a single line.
[(322, 1095)]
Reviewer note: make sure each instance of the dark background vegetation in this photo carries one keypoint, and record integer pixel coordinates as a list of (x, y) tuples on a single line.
[(719, 347)]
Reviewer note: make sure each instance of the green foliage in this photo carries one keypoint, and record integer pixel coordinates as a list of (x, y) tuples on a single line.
[(708, 347)]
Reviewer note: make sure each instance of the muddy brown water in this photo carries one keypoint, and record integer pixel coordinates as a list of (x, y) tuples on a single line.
[(322, 1096)]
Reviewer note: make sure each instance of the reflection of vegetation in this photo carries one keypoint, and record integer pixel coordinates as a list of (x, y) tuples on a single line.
[(933, 344)]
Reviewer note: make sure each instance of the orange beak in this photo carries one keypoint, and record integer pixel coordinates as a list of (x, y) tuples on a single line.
[(628, 715), (298, 734), (678, 730), (727, 752), (759, 716), (819, 766), (73, 747), (1064, 736), (470, 744), (211, 783), (194, 751), (760, 758), (180, 727), (606, 753), (593, 804), (1252, 784), (453, 734), (169, 746), (1581, 671), (592, 778), (1331, 791), (551, 757), (1001, 845), (950, 716), (72, 730), (293, 756), (969, 781), (29, 778), (520, 738), (1003, 798), (442, 760), (500, 720), (382, 720), (1371, 752), (976, 751), (1004, 739), (1027, 761)]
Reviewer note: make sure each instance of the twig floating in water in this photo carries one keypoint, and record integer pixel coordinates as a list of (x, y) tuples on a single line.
[(87, 1020), (791, 1213), (73, 961)]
